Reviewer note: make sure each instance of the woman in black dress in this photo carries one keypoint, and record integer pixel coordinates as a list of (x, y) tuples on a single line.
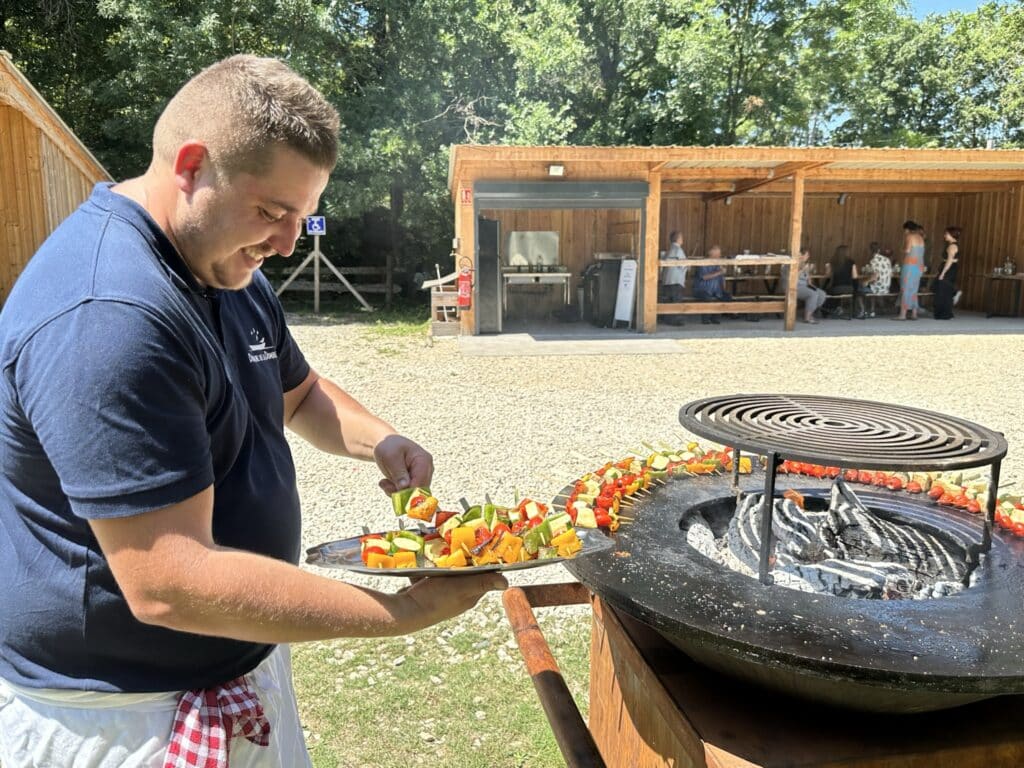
[(945, 283)]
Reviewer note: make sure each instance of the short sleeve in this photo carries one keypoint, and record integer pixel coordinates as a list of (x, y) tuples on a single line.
[(117, 400)]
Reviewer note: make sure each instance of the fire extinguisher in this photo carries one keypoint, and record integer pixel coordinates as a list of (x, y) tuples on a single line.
[(465, 284)]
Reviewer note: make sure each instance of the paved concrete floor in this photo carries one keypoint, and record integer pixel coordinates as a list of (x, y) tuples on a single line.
[(583, 339)]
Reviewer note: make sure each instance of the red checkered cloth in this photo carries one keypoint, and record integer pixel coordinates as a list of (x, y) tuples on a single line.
[(208, 718)]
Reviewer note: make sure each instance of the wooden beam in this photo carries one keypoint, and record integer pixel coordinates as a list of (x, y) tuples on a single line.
[(923, 175), (738, 155), (780, 172), (649, 258), (796, 223), (738, 307), (716, 173), (874, 188), (465, 230), (669, 189)]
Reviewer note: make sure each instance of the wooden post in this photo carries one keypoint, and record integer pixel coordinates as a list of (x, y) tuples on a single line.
[(465, 231), (650, 255), (316, 275), (796, 224)]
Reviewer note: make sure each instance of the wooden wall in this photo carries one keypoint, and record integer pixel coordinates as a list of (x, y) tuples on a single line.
[(39, 187), (582, 232), (993, 228), (64, 186), (23, 220), (992, 224)]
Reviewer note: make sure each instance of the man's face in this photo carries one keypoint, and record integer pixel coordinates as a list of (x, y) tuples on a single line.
[(227, 227), (715, 253)]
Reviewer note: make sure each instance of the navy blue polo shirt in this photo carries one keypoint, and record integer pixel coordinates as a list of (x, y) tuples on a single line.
[(126, 388)]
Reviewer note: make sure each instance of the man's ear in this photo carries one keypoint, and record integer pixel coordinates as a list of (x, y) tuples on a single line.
[(188, 163)]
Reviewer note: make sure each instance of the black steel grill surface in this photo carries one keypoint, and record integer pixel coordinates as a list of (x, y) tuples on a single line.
[(843, 432)]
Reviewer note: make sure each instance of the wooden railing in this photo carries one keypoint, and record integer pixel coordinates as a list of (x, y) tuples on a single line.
[(277, 274)]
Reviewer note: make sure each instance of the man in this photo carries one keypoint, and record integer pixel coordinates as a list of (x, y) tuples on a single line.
[(673, 279), (149, 518), (710, 284)]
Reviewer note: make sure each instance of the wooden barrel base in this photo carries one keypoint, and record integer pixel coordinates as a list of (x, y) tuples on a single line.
[(651, 706)]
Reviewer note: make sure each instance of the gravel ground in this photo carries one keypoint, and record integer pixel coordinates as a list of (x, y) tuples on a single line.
[(498, 424)]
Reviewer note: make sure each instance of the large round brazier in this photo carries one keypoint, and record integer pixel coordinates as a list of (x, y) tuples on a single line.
[(879, 655)]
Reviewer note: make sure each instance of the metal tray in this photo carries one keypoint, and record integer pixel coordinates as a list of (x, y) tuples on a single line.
[(346, 554)]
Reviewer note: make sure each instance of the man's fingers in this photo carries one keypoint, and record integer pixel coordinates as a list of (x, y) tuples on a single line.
[(387, 486), (421, 467)]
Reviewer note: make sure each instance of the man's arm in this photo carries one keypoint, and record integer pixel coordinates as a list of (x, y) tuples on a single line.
[(332, 420), (172, 574)]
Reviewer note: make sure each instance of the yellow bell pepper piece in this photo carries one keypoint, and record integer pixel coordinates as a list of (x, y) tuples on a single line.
[(486, 558), (376, 560), (463, 537), (565, 538), (512, 547), (404, 559)]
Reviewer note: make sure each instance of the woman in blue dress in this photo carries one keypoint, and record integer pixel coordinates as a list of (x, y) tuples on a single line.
[(911, 270)]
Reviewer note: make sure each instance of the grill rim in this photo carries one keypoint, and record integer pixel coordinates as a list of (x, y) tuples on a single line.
[(927, 624), (985, 446)]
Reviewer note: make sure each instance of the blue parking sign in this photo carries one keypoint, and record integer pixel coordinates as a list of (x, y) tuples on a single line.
[(316, 225)]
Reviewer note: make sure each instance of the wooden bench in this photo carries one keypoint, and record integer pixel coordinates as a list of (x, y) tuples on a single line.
[(744, 306), (895, 295), (761, 269)]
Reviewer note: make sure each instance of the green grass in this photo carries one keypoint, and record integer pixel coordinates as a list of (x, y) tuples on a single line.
[(460, 696), (408, 321)]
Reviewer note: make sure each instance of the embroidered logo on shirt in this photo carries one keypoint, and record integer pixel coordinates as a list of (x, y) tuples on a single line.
[(259, 352)]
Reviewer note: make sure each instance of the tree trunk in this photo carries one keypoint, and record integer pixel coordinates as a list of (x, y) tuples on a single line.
[(397, 203)]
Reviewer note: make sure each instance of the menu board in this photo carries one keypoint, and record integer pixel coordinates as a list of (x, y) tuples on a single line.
[(627, 292)]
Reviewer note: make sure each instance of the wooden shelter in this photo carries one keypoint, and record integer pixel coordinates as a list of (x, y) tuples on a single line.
[(45, 172), (761, 199)]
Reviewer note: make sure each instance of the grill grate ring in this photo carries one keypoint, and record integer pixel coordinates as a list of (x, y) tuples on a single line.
[(843, 432)]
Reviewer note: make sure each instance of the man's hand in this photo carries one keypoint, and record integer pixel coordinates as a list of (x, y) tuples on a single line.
[(437, 598), (403, 463)]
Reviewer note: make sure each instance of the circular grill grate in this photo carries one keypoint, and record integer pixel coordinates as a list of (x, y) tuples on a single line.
[(840, 432)]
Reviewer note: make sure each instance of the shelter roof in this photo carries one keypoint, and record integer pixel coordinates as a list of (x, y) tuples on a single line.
[(740, 169)]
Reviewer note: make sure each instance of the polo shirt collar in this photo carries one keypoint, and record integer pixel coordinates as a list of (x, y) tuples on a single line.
[(162, 247)]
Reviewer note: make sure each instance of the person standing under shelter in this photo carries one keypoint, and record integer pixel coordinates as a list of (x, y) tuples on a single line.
[(673, 279), (149, 514), (911, 270), (710, 284), (945, 283)]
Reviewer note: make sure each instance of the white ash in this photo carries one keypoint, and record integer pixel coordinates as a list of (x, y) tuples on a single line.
[(843, 550)]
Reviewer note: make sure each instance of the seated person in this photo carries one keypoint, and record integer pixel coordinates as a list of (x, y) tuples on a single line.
[(879, 273), (812, 297), (710, 284), (846, 279)]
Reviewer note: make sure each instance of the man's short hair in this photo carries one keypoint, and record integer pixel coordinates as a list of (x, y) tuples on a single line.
[(242, 106)]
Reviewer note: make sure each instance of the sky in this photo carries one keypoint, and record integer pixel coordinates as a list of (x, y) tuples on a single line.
[(924, 7)]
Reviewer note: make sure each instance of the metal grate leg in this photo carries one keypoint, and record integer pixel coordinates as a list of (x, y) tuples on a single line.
[(767, 512)]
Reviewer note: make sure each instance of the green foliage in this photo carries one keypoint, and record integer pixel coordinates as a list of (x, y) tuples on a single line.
[(412, 77)]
